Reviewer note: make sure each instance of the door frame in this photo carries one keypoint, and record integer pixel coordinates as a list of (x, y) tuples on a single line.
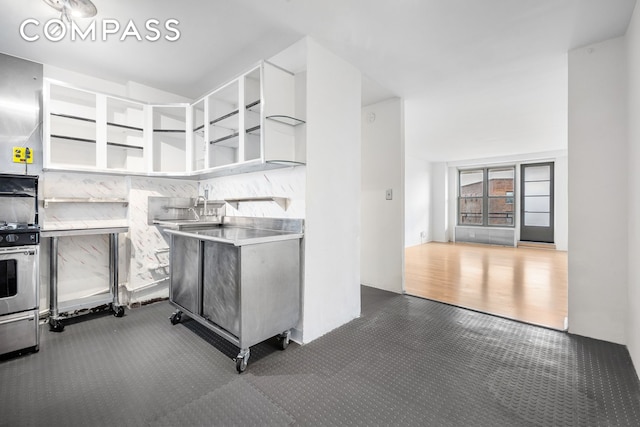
[(538, 234)]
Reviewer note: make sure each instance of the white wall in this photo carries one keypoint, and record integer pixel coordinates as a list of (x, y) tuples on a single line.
[(331, 295), (561, 200), (382, 227), (127, 90), (439, 221), (633, 299), (417, 200), (598, 241)]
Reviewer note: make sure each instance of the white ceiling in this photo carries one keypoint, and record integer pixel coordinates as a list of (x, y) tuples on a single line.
[(480, 77)]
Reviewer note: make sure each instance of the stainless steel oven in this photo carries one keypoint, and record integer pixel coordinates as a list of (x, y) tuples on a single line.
[(19, 263), (19, 298)]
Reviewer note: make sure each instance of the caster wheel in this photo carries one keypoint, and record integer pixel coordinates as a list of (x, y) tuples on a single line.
[(175, 317), (56, 325), (118, 311), (241, 364), (283, 342)]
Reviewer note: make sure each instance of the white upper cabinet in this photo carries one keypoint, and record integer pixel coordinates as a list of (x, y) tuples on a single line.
[(125, 135), (247, 124), (282, 144), (169, 138), (70, 128), (224, 124), (90, 131)]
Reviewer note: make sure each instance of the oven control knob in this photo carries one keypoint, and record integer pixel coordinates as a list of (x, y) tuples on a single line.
[(11, 238)]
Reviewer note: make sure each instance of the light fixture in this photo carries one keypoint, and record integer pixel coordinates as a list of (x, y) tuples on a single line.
[(73, 9), (70, 9)]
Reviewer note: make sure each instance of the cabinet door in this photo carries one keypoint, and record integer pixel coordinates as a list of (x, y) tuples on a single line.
[(220, 286), (169, 138), (252, 115), (125, 135), (224, 125), (70, 128), (185, 272), (199, 136)]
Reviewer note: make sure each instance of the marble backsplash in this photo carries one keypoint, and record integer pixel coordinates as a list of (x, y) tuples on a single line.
[(287, 182), (101, 212), (83, 263), (148, 244)]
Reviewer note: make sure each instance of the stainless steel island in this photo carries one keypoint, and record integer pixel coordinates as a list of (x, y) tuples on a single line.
[(240, 279)]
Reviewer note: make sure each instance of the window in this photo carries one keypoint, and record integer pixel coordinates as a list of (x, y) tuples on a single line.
[(486, 197)]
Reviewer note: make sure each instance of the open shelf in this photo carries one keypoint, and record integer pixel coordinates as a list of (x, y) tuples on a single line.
[(225, 138), (255, 130), (251, 106), (85, 119), (283, 202), (47, 201), (230, 114), (287, 120), (93, 141), (118, 125)]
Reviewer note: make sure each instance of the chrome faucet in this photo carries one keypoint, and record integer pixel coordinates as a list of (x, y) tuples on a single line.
[(195, 214), (195, 204)]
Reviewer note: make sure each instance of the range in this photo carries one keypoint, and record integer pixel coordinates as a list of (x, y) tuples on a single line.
[(19, 263)]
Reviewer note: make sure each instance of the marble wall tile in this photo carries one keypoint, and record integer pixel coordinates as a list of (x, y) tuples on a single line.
[(146, 263), (83, 267), (287, 182), (57, 185), (83, 261)]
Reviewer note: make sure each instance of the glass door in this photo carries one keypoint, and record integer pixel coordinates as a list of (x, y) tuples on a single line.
[(537, 205)]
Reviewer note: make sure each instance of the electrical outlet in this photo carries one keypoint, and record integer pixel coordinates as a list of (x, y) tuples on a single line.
[(389, 194)]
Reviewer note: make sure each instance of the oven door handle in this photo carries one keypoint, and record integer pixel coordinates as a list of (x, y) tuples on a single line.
[(12, 251), (17, 319)]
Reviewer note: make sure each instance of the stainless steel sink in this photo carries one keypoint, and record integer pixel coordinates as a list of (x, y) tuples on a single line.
[(182, 224)]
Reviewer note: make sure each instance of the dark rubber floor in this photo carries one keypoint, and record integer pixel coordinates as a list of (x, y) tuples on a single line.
[(406, 361)]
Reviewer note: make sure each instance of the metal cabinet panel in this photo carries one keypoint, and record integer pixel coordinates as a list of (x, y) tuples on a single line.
[(18, 331), (185, 272), (221, 293), (270, 290)]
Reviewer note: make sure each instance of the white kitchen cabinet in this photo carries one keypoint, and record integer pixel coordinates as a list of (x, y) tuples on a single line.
[(251, 121), (89, 131), (199, 136), (125, 135), (70, 128), (282, 140), (169, 138), (247, 124), (224, 126)]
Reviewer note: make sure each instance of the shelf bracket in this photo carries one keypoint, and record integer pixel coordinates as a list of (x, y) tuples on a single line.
[(283, 202)]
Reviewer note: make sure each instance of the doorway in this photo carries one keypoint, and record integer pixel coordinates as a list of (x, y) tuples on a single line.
[(537, 203), (528, 282)]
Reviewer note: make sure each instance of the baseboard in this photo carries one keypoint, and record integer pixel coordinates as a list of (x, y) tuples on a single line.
[(537, 245)]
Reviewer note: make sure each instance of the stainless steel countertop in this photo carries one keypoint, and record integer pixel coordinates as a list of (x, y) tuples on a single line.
[(237, 236), (82, 231), (176, 224)]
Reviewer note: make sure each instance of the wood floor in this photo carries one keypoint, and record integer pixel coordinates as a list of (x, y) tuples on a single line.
[(524, 284)]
